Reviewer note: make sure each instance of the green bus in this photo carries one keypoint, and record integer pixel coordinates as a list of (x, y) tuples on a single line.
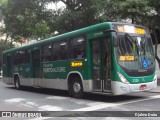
[(106, 58)]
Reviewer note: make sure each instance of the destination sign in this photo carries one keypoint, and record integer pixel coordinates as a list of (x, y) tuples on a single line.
[(131, 29), (126, 58)]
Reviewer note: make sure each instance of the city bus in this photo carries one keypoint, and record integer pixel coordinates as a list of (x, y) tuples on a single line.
[(106, 58)]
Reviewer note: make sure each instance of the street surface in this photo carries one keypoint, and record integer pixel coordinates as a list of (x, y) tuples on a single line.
[(33, 99)]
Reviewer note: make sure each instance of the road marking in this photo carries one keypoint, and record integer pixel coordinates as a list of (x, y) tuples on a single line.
[(106, 105), (99, 106), (145, 99), (40, 118), (56, 97), (15, 100), (50, 108), (96, 107)]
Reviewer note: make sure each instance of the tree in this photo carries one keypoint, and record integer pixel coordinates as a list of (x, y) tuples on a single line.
[(133, 9), (2, 5), (106, 10), (154, 24), (26, 19), (77, 14), (2, 48), (32, 19), (1, 16)]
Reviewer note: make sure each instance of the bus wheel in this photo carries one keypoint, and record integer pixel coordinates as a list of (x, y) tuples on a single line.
[(77, 88), (17, 83)]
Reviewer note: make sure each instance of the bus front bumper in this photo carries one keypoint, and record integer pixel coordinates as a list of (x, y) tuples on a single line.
[(119, 88)]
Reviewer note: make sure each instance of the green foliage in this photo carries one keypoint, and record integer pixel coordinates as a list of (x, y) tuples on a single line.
[(26, 18), (31, 18), (154, 15), (106, 10), (134, 9), (1, 16), (8, 45), (77, 14)]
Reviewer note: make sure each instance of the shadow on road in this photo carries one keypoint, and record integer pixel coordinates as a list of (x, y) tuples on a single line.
[(92, 97)]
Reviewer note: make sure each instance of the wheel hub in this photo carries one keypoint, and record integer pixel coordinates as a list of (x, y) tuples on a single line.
[(76, 87)]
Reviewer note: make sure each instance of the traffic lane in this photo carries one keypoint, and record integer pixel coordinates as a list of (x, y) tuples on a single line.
[(60, 94), (94, 97), (145, 109), (57, 100), (24, 100), (143, 105)]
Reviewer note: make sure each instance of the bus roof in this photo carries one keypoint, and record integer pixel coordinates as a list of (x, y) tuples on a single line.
[(79, 32), (64, 36)]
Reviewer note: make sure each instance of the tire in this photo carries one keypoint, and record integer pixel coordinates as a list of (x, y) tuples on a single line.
[(76, 88), (17, 83)]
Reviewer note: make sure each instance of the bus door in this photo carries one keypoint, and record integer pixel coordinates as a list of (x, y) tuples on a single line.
[(9, 65), (36, 63), (101, 59)]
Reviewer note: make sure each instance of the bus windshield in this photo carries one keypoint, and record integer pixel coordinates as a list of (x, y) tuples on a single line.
[(135, 52)]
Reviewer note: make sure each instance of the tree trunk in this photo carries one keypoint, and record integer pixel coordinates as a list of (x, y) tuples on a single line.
[(133, 19), (11, 42)]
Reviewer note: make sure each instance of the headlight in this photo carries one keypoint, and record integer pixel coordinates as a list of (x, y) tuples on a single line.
[(123, 79)]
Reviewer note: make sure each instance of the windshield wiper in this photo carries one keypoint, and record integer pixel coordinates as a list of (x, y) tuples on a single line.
[(129, 37)]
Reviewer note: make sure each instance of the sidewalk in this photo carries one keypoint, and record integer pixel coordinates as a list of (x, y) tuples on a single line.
[(157, 90)]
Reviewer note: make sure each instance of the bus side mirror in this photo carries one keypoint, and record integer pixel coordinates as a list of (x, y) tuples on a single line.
[(115, 41), (110, 30)]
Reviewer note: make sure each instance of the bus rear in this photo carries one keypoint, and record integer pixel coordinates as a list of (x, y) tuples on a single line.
[(134, 60)]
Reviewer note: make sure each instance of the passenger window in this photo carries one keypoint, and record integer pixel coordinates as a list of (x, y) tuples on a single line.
[(22, 57), (4, 59), (15, 58), (47, 53), (27, 56), (77, 48), (60, 50)]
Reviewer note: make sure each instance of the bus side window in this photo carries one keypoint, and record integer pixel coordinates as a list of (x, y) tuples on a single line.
[(22, 57), (47, 53), (4, 59), (16, 58), (60, 51), (27, 57), (77, 48)]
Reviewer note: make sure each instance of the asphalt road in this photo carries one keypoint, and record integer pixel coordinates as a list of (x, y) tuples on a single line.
[(90, 107)]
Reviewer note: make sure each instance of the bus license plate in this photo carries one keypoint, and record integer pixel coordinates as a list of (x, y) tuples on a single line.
[(142, 87)]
